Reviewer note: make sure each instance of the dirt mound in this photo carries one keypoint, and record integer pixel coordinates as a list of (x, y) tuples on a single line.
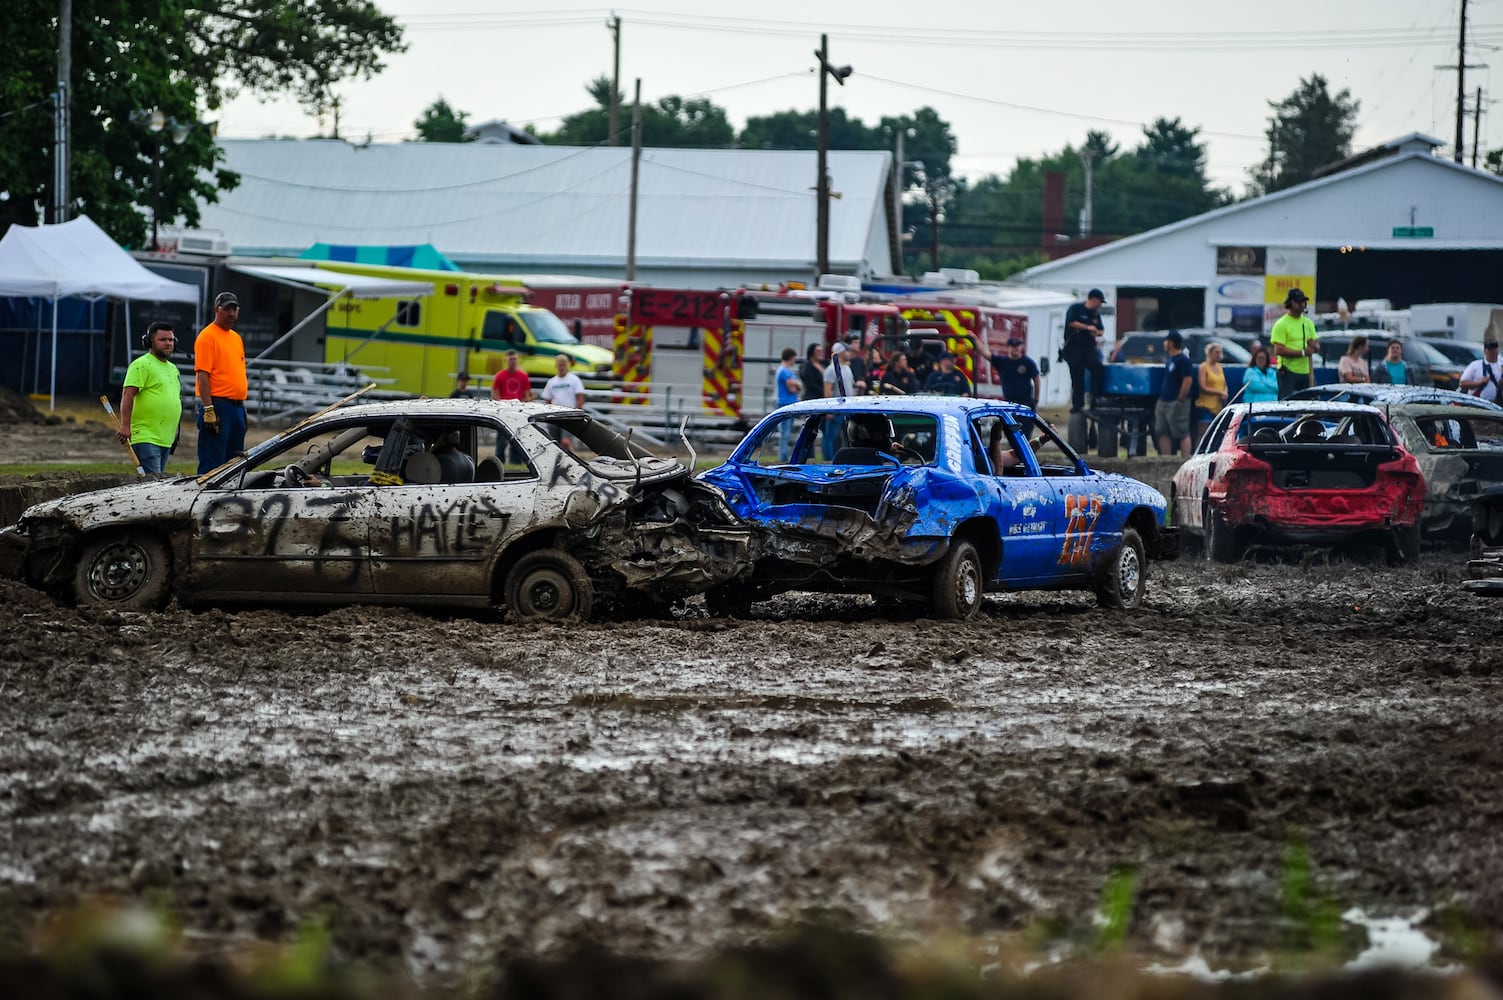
[(17, 409)]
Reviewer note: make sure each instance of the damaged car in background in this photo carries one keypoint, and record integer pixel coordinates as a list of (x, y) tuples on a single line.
[(454, 502), (1460, 454), (1300, 472), (933, 501)]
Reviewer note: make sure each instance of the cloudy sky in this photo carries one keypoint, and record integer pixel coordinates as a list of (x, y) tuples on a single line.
[(1013, 79)]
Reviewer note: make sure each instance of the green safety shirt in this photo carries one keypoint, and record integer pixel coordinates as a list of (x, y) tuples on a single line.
[(158, 407), (1293, 334)]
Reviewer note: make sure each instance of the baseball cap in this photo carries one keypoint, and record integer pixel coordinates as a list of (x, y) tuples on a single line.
[(950, 355), (1296, 295), (1174, 337), (839, 348), (1096, 293), (224, 299), (1014, 342), (1490, 342)]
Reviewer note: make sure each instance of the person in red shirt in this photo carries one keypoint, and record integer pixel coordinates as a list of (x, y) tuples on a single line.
[(511, 383)]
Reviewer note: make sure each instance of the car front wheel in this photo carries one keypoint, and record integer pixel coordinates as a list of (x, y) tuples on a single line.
[(549, 584), (1123, 579), (958, 583), (123, 571)]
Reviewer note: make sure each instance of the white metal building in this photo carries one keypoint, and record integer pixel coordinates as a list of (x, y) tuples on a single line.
[(706, 218), (1396, 222)]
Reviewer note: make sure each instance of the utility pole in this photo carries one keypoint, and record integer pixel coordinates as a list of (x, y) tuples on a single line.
[(1087, 160), (636, 161), (615, 25), (1476, 127), (1460, 81), (62, 127), (822, 181)]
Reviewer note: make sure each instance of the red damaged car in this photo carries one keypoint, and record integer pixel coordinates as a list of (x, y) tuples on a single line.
[(1300, 472)]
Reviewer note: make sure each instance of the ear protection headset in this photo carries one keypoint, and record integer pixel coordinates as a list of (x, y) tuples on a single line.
[(146, 338)]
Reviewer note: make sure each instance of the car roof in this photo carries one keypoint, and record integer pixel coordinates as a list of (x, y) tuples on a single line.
[(922, 403), (1380, 392), (1445, 410), (1295, 406), (445, 407)]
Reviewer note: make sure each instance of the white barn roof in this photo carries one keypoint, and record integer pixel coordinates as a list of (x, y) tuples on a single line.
[(1357, 207), (559, 208)]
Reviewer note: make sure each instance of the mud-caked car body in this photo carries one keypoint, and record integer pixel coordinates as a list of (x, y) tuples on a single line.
[(1460, 454), (1300, 472), (913, 505), (400, 503)]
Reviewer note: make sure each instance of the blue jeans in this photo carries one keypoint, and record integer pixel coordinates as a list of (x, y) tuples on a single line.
[(214, 449), (153, 457)]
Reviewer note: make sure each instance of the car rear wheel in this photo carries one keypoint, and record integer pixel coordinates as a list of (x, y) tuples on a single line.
[(123, 571), (1220, 539), (958, 583), (551, 585), (1123, 579)]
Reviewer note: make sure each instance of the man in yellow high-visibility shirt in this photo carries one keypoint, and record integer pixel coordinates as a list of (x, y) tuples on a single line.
[(1294, 340)]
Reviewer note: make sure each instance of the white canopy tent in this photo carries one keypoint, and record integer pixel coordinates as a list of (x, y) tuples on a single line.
[(76, 258)]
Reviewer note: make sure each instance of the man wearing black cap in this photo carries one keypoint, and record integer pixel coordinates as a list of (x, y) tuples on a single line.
[(946, 380), (220, 384), (1082, 350), (1019, 375), (1482, 376), (1294, 340)]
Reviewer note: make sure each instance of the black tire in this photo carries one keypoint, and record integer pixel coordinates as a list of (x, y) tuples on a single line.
[(1122, 580), (729, 600), (550, 585), (959, 582), (1220, 540), (1106, 439), (129, 570)]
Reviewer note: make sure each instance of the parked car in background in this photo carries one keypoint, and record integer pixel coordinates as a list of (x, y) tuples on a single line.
[(1147, 347), (1382, 394), (1427, 366), (399, 503), (1460, 352), (1300, 472), (1460, 454), (916, 505)]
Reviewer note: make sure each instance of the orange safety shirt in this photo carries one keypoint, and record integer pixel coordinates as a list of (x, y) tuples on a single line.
[(221, 353)]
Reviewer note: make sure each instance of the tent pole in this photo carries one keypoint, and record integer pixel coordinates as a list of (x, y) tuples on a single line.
[(52, 400)]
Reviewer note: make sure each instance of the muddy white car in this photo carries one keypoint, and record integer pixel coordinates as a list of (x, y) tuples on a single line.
[(453, 502)]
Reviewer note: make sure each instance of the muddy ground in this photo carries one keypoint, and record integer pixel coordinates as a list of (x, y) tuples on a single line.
[(452, 791)]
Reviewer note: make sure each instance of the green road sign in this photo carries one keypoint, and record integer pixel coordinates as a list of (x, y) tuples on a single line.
[(1413, 232)]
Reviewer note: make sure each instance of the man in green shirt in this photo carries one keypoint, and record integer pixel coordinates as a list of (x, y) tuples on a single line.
[(151, 405), (1294, 339)]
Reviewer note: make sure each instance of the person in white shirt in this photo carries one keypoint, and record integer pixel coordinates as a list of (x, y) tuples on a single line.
[(838, 378), (1482, 376), (565, 388)]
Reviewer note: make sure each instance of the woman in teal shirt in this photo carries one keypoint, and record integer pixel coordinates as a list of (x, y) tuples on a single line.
[(1261, 383)]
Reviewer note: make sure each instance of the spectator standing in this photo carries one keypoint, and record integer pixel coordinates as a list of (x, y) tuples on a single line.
[(1172, 414), (1082, 349), (1392, 370), (1352, 368), (898, 378), (1482, 376), (151, 404), (220, 385), (812, 374), (461, 386), (512, 382), (564, 388), (1261, 383), (1210, 381), (855, 359), (1019, 374), (946, 379), (1294, 340), (839, 379), (788, 387)]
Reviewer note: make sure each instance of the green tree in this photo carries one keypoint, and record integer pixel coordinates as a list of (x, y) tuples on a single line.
[(1494, 161), (441, 123), (180, 57), (673, 122), (1309, 129)]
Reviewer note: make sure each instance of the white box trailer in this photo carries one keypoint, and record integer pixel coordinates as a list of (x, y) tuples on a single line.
[(1472, 321)]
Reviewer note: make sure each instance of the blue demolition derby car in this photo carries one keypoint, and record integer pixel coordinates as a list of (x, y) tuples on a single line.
[(933, 500)]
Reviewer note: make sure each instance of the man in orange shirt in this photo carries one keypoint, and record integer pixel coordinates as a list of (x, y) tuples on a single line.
[(220, 383)]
